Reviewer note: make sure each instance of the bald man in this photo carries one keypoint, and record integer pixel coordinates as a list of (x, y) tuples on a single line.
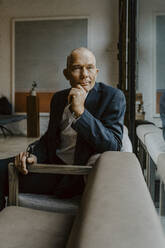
[(85, 120)]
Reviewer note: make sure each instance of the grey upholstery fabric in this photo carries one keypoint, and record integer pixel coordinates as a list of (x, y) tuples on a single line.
[(28, 228), (116, 210), (143, 130), (49, 203)]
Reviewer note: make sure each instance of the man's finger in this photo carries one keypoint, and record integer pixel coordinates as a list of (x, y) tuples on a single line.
[(23, 167), (21, 155), (71, 96), (31, 159), (78, 86), (20, 163), (81, 88)]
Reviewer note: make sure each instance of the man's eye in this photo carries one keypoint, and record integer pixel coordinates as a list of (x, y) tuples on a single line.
[(76, 68), (90, 67)]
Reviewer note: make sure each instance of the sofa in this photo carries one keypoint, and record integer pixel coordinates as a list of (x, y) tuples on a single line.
[(116, 211), (151, 141)]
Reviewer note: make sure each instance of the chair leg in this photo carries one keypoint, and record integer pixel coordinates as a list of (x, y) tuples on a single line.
[(151, 176), (13, 185), (162, 200)]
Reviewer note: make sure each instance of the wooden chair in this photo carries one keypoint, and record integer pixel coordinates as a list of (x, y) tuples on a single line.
[(44, 202), (47, 202)]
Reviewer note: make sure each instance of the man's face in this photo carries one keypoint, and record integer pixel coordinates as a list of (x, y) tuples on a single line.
[(82, 69)]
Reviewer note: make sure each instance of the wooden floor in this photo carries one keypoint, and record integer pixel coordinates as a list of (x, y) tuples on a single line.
[(13, 145)]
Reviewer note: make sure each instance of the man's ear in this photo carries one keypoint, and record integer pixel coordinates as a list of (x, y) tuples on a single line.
[(66, 74), (97, 70)]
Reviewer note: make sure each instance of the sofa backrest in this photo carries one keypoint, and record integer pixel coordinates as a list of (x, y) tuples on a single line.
[(116, 209)]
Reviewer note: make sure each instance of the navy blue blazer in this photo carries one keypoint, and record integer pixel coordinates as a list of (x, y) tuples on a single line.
[(99, 129)]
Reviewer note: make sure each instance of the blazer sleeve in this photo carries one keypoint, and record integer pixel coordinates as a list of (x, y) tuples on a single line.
[(105, 133)]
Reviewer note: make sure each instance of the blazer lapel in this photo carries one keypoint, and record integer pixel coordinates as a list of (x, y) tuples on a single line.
[(92, 100)]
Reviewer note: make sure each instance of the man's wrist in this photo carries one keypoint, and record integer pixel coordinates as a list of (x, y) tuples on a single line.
[(75, 114)]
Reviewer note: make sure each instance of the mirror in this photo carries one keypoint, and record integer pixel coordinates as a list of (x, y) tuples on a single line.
[(40, 47)]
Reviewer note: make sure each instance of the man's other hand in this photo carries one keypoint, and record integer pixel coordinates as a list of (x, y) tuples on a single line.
[(21, 161)]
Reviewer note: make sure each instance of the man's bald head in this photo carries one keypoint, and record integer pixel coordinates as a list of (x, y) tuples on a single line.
[(80, 51)]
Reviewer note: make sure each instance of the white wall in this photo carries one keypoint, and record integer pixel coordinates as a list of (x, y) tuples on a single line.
[(102, 39), (146, 54)]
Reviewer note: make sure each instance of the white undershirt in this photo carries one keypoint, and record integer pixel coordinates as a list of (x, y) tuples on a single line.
[(68, 137)]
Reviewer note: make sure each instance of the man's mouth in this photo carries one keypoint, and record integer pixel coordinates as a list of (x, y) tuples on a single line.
[(84, 83)]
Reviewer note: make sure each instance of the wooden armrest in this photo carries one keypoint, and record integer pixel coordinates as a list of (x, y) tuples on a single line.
[(59, 169)]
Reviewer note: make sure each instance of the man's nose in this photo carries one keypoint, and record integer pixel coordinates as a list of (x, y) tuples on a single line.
[(84, 72)]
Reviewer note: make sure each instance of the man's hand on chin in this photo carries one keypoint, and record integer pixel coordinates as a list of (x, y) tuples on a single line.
[(77, 98)]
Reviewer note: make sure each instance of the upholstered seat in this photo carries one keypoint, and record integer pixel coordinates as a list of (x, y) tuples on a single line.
[(29, 228), (49, 203)]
